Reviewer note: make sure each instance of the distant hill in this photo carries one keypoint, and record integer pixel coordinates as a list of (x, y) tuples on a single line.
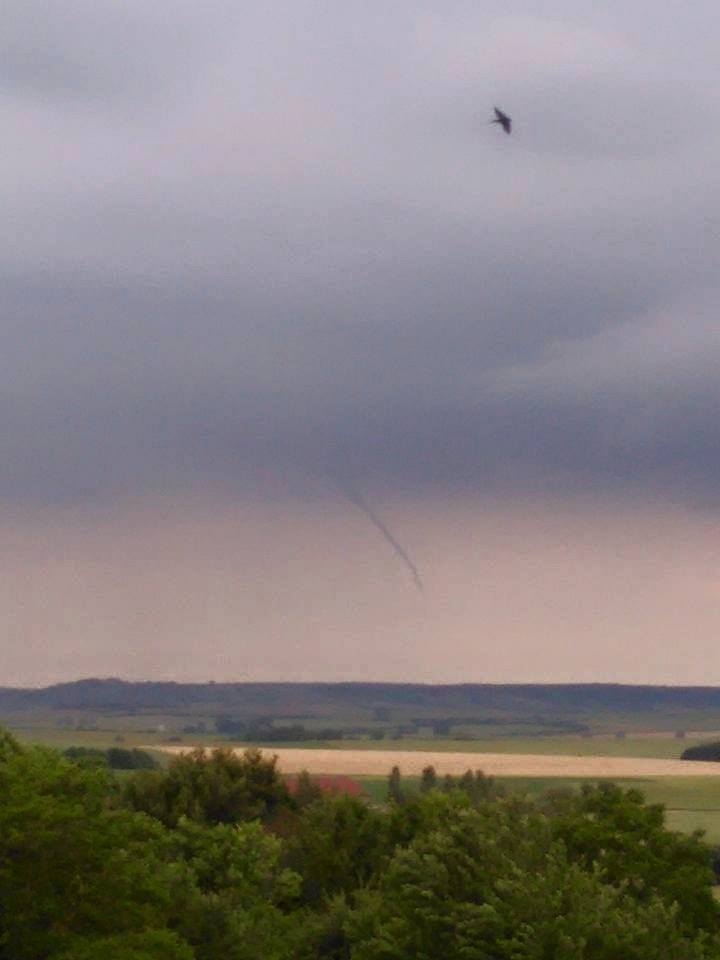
[(329, 699)]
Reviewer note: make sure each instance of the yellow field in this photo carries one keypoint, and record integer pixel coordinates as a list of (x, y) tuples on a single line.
[(412, 762)]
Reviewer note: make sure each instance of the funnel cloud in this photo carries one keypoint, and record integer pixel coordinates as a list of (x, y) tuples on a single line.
[(354, 497)]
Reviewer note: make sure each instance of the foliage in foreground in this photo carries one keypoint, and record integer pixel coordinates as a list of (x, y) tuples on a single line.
[(117, 758), (212, 859)]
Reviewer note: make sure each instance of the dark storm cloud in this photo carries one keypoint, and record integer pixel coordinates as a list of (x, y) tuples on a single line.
[(247, 241)]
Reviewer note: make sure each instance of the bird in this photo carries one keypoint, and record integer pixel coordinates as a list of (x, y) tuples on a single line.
[(503, 119)]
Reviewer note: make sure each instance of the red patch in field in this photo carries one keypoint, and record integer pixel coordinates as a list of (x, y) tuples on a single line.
[(337, 783)]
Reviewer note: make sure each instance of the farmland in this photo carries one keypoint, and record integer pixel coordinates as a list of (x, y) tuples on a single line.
[(529, 738), (412, 762), (690, 792)]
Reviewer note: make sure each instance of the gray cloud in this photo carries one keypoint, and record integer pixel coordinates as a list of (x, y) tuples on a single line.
[(246, 240)]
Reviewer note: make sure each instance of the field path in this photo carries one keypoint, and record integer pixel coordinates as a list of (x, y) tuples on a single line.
[(411, 763)]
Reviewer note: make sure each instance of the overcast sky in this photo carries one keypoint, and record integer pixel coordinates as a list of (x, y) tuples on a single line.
[(256, 255)]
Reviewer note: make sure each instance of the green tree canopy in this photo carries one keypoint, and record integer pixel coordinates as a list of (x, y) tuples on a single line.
[(495, 885), (71, 866), (337, 846), (215, 787), (194, 863), (615, 831)]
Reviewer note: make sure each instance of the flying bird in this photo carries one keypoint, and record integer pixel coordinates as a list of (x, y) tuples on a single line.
[(503, 119)]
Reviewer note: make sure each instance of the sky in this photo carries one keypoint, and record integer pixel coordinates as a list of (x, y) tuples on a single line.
[(265, 264)]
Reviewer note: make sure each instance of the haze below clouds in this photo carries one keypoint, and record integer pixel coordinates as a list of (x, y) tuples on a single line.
[(256, 254)]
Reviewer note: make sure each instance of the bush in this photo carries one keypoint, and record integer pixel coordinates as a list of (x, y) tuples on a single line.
[(88, 757), (216, 787), (703, 751), (119, 759), (116, 758)]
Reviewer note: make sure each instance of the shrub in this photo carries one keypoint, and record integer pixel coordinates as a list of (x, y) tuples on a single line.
[(703, 751)]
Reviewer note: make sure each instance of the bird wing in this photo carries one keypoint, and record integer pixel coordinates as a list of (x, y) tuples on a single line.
[(502, 117)]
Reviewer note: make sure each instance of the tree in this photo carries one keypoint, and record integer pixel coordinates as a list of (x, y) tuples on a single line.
[(152, 945), (81, 878), (219, 787), (478, 787), (613, 830), (421, 814), (492, 884), (87, 756), (395, 791), (428, 779), (306, 790), (337, 846), (239, 906), (119, 758), (702, 751), (72, 868), (9, 746)]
